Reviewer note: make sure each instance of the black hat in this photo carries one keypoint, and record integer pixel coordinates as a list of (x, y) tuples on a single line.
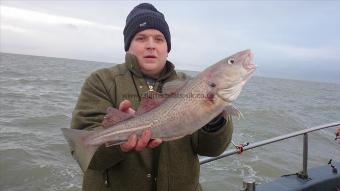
[(145, 16)]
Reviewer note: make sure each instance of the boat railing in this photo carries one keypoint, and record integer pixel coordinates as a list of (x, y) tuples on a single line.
[(303, 174)]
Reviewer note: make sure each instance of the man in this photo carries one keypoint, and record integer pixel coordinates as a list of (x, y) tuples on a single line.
[(141, 163)]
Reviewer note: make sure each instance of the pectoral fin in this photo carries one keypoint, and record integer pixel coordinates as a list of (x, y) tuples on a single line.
[(231, 110)]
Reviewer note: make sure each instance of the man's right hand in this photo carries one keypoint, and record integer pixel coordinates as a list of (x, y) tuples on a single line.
[(134, 142)]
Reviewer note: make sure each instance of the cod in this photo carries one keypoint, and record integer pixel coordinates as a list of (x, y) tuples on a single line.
[(182, 108)]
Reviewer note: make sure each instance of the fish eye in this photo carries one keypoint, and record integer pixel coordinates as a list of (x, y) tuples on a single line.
[(231, 61)]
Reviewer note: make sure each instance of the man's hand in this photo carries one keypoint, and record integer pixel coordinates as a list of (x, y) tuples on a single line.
[(134, 142)]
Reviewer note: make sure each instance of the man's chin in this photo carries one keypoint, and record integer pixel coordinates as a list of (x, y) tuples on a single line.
[(150, 65), (150, 59), (151, 71)]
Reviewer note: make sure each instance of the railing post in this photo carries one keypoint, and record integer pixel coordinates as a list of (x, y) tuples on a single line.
[(304, 174), (249, 184)]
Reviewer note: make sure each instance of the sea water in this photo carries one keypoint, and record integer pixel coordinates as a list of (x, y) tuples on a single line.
[(38, 94)]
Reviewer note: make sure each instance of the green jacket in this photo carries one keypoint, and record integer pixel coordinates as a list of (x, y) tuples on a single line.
[(111, 169)]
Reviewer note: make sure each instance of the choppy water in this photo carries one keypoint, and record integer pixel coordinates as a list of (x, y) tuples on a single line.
[(38, 95)]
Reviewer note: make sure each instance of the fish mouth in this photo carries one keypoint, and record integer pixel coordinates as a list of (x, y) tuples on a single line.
[(248, 61), (249, 73)]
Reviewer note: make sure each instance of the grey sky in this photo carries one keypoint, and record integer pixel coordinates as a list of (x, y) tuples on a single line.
[(290, 39)]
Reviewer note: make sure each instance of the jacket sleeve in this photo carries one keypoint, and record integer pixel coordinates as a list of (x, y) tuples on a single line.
[(213, 143), (95, 97)]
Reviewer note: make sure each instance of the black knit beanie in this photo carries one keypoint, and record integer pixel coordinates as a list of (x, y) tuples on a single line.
[(145, 16)]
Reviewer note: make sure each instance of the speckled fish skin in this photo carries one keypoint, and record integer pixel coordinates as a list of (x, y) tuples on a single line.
[(189, 108)]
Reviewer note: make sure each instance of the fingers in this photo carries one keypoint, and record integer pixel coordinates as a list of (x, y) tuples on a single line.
[(125, 106), (139, 144), (144, 140), (155, 143), (130, 144), (131, 111)]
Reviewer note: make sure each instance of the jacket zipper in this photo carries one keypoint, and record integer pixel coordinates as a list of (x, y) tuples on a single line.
[(106, 178)]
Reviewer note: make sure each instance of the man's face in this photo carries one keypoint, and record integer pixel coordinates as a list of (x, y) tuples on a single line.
[(151, 50)]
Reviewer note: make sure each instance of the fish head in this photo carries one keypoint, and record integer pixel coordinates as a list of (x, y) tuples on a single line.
[(230, 74)]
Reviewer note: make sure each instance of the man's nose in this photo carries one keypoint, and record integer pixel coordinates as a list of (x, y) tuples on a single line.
[(150, 43)]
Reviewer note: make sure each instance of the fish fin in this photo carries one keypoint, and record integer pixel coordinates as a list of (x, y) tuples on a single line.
[(114, 116), (150, 101), (172, 87), (231, 110), (231, 93), (80, 149), (114, 143), (220, 95)]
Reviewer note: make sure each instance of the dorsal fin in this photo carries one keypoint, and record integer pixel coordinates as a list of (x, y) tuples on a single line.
[(150, 101), (114, 116), (172, 87)]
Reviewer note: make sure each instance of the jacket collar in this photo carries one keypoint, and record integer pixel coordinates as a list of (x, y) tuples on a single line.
[(132, 65)]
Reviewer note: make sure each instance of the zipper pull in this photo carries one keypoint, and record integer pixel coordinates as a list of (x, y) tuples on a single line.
[(151, 88)]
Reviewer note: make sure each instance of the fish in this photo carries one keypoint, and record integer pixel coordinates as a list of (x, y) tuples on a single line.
[(182, 108)]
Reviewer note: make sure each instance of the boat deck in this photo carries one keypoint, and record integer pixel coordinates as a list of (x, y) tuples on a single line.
[(320, 179)]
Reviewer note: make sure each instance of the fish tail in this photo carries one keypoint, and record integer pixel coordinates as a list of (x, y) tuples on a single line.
[(81, 150)]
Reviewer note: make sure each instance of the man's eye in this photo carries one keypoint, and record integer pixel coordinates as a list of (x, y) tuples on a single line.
[(159, 39), (140, 38)]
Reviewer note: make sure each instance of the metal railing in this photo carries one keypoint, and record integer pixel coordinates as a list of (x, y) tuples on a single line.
[(304, 132)]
